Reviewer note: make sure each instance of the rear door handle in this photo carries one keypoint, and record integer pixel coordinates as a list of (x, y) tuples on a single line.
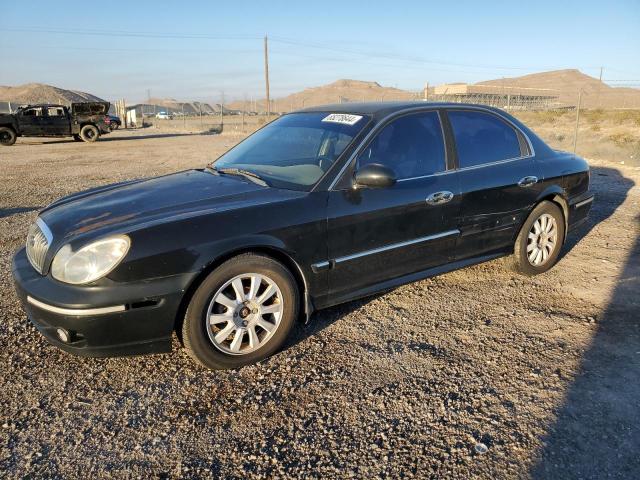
[(527, 181), (439, 198)]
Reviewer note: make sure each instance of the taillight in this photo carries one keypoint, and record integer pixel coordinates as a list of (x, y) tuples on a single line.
[(107, 120)]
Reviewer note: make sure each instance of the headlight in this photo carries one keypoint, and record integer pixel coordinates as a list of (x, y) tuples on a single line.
[(91, 262)]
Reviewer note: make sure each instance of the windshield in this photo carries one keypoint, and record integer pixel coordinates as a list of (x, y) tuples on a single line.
[(295, 150)]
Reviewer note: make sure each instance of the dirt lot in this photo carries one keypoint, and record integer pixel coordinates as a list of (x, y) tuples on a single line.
[(543, 373)]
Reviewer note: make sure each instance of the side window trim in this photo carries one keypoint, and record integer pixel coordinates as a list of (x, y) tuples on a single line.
[(526, 148)]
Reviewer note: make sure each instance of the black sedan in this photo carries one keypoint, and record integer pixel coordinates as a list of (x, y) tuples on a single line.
[(319, 207)]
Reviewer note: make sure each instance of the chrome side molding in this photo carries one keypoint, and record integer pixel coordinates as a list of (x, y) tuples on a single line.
[(77, 312)]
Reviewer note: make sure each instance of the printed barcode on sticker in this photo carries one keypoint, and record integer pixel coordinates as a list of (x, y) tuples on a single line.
[(345, 118)]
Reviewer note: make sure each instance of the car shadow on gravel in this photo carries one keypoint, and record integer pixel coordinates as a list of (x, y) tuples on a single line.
[(115, 138), (608, 199), (597, 429), (7, 212), (326, 317), (144, 137), (611, 188)]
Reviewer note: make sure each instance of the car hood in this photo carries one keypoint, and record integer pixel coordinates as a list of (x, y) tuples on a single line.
[(123, 207)]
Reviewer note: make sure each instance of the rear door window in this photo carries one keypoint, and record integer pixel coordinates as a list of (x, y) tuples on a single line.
[(482, 138), (55, 111), (32, 112), (412, 146)]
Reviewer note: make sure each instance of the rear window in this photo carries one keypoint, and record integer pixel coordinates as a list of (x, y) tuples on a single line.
[(55, 111), (89, 109), (482, 138)]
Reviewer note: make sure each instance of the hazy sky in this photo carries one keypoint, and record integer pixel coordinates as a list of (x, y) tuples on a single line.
[(197, 50)]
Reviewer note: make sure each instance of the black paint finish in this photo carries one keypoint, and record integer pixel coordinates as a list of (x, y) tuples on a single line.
[(340, 241)]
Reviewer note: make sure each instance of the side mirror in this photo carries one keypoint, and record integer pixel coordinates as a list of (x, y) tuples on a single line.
[(374, 175)]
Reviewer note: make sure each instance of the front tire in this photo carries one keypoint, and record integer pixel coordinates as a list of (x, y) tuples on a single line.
[(241, 313), (540, 240), (89, 133), (7, 136)]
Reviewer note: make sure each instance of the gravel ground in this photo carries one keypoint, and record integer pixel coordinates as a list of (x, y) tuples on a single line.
[(477, 373)]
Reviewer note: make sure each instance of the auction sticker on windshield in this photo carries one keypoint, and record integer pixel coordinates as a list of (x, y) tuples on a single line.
[(345, 118)]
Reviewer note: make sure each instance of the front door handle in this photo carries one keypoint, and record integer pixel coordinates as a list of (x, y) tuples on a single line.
[(439, 198), (527, 181)]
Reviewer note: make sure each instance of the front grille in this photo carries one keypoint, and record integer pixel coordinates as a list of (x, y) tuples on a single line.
[(38, 241)]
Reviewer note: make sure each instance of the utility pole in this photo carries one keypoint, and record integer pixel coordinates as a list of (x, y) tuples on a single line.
[(575, 135), (222, 102), (266, 75), (600, 86)]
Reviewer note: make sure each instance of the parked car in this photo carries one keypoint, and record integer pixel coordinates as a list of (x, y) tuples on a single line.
[(83, 121), (114, 122), (319, 207), (164, 116)]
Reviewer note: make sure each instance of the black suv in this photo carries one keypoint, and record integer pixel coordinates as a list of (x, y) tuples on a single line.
[(82, 121)]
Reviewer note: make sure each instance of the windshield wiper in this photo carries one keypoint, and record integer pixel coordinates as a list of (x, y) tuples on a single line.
[(252, 176)]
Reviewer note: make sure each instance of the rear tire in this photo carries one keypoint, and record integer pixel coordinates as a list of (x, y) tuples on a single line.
[(540, 240), (241, 313), (89, 133), (7, 136)]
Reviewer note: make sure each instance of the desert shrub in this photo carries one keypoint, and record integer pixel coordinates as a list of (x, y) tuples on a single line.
[(550, 116), (623, 139), (594, 116), (630, 116)]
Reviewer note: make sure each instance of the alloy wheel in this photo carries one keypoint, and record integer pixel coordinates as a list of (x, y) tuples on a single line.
[(244, 314), (542, 240)]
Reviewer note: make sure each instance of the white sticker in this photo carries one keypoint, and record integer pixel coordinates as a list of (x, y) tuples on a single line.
[(346, 118)]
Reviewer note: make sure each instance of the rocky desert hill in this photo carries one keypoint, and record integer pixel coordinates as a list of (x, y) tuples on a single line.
[(343, 90), (564, 83), (42, 93), (189, 108), (567, 84)]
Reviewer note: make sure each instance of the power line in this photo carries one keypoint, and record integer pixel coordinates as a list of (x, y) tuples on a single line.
[(121, 33), (282, 40)]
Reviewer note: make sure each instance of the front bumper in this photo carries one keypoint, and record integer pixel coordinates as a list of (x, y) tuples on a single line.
[(101, 321)]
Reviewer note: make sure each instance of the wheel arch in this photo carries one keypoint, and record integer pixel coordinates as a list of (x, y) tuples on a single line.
[(306, 304), (13, 129), (556, 195)]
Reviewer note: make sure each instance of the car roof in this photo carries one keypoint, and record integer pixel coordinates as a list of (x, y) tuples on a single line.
[(382, 109)]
